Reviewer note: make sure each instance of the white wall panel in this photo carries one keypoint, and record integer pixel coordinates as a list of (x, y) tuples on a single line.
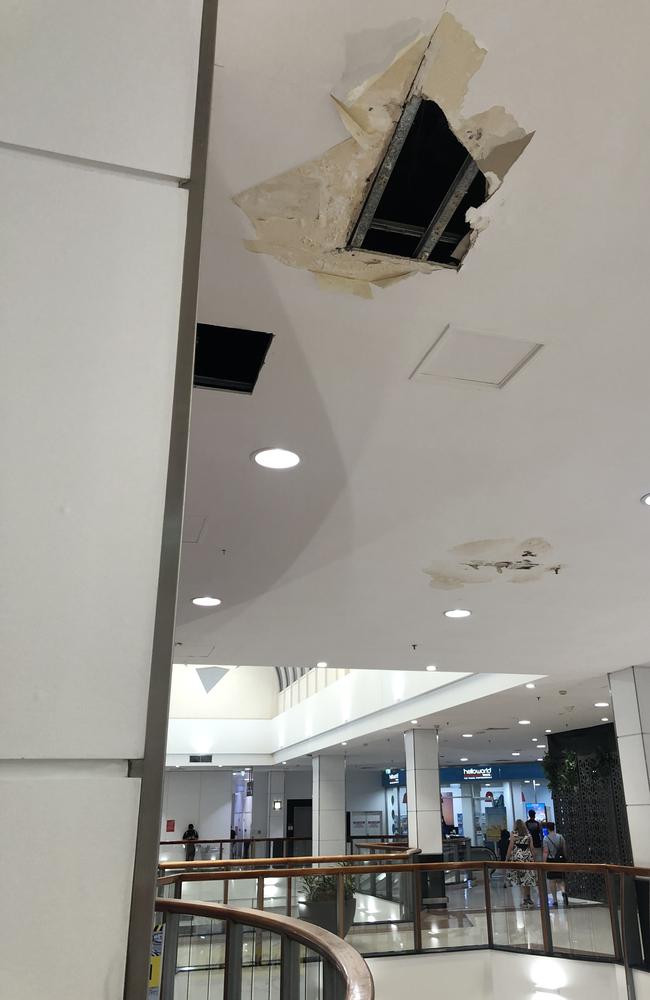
[(113, 82), (89, 309), (66, 885)]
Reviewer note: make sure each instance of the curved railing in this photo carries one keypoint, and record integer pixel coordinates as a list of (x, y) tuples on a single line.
[(333, 970), (413, 906)]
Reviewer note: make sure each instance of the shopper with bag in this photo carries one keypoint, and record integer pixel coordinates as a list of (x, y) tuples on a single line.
[(554, 849)]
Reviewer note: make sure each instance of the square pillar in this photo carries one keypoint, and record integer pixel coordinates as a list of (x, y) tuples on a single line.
[(423, 790), (328, 805), (630, 692)]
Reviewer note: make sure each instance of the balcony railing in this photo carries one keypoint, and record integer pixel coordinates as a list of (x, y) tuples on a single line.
[(405, 907)]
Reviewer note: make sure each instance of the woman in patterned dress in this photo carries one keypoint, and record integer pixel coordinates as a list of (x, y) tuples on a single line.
[(520, 848)]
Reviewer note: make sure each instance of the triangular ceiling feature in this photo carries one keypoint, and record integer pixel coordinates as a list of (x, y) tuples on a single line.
[(210, 676)]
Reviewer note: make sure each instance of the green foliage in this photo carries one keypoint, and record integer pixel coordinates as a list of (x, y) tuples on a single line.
[(322, 888), (561, 772)]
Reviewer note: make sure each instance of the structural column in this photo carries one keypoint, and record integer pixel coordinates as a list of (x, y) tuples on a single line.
[(328, 805), (276, 817), (630, 691), (423, 790)]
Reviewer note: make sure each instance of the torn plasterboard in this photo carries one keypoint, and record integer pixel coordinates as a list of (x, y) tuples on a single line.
[(305, 216), (492, 559)]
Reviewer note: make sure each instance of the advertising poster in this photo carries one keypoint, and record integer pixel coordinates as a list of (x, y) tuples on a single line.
[(155, 961), (495, 821)]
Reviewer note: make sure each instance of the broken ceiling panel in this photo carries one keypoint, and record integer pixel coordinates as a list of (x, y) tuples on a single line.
[(492, 559), (307, 216)]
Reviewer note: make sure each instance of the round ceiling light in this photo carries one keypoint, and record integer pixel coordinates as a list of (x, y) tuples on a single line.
[(464, 760), (540, 759), (206, 602), (547, 730), (645, 499), (431, 668), (541, 746), (276, 458), (321, 663), (344, 743), (534, 739), (524, 722), (515, 753), (467, 736), (458, 613), (601, 704), (530, 686), (605, 719), (414, 722)]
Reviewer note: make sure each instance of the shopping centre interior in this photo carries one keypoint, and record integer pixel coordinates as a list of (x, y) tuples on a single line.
[(327, 500)]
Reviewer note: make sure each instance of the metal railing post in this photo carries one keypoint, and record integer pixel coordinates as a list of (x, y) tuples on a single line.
[(289, 891), (547, 936), (488, 904), (289, 969), (170, 951), (259, 934), (340, 906), (233, 961), (417, 910), (613, 916), (333, 988), (631, 938)]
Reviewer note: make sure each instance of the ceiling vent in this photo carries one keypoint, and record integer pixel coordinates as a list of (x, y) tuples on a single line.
[(200, 758), (229, 359), (485, 361), (417, 202)]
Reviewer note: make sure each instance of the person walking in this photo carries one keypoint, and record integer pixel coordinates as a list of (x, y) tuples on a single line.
[(520, 849), (554, 849), (534, 828), (191, 834)]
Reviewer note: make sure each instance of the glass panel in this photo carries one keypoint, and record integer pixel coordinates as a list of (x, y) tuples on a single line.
[(516, 920), (311, 975), (383, 919), (462, 923), (580, 916)]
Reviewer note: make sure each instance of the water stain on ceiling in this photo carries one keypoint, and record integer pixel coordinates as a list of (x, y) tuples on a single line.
[(493, 559)]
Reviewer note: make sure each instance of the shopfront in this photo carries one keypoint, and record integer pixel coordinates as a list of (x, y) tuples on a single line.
[(478, 801)]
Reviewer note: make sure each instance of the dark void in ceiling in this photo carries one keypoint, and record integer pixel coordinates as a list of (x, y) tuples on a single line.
[(228, 358), (417, 202)]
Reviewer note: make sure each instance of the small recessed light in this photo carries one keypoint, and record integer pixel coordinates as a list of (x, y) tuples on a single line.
[(524, 722), (548, 730), (431, 667), (526, 782), (467, 736), (414, 722), (515, 753), (541, 746), (605, 719), (344, 743), (458, 613), (276, 458), (206, 602), (540, 759), (464, 760), (321, 663), (534, 739), (530, 686), (646, 499), (601, 704), (283, 762)]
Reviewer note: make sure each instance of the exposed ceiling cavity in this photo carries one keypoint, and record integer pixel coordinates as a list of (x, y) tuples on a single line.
[(229, 359), (492, 559), (404, 193)]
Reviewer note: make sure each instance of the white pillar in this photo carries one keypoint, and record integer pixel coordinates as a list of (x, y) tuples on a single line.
[(328, 805), (96, 152), (423, 790), (630, 692)]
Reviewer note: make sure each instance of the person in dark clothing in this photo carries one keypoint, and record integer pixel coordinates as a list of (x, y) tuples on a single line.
[(190, 835), (535, 830), (503, 844)]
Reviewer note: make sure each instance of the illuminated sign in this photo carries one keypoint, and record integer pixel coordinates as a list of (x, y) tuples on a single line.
[(477, 773), (392, 778)]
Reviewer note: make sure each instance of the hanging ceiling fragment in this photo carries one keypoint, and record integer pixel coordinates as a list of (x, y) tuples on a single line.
[(494, 559), (402, 195)]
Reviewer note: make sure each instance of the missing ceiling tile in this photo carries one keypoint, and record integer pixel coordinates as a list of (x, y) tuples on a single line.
[(228, 358)]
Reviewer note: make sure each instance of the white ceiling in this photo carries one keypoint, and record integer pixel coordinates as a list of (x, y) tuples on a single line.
[(326, 561)]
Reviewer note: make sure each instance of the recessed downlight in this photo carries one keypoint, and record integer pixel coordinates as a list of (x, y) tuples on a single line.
[(321, 663), (414, 722), (283, 762), (530, 686), (276, 458), (344, 743), (524, 722), (515, 753), (548, 730), (601, 704), (206, 602), (464, 760), (541, 746), (467, 736), (540, 759), (605, 719), (645, 499), (534, 739), (431, 668), (458, 613)]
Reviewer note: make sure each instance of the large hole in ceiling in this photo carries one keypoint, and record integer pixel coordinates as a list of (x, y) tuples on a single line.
[(417, 203), (229, 359)]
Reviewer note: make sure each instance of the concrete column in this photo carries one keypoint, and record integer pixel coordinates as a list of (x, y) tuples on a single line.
[(328, 805), (423, 790), (630, 692), (277, 818)]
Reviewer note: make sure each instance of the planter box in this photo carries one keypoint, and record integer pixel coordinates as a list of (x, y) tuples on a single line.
[(323, 914)]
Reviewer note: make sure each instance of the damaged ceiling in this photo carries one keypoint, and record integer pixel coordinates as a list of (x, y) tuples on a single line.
[(326, 561), (327, 214), (493, 559)]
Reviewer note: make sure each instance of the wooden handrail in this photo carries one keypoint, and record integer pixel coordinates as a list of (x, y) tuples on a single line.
[(348, 962), (306, 859)]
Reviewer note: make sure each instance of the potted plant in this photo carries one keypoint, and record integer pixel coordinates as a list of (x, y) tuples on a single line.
[(318, 904)]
